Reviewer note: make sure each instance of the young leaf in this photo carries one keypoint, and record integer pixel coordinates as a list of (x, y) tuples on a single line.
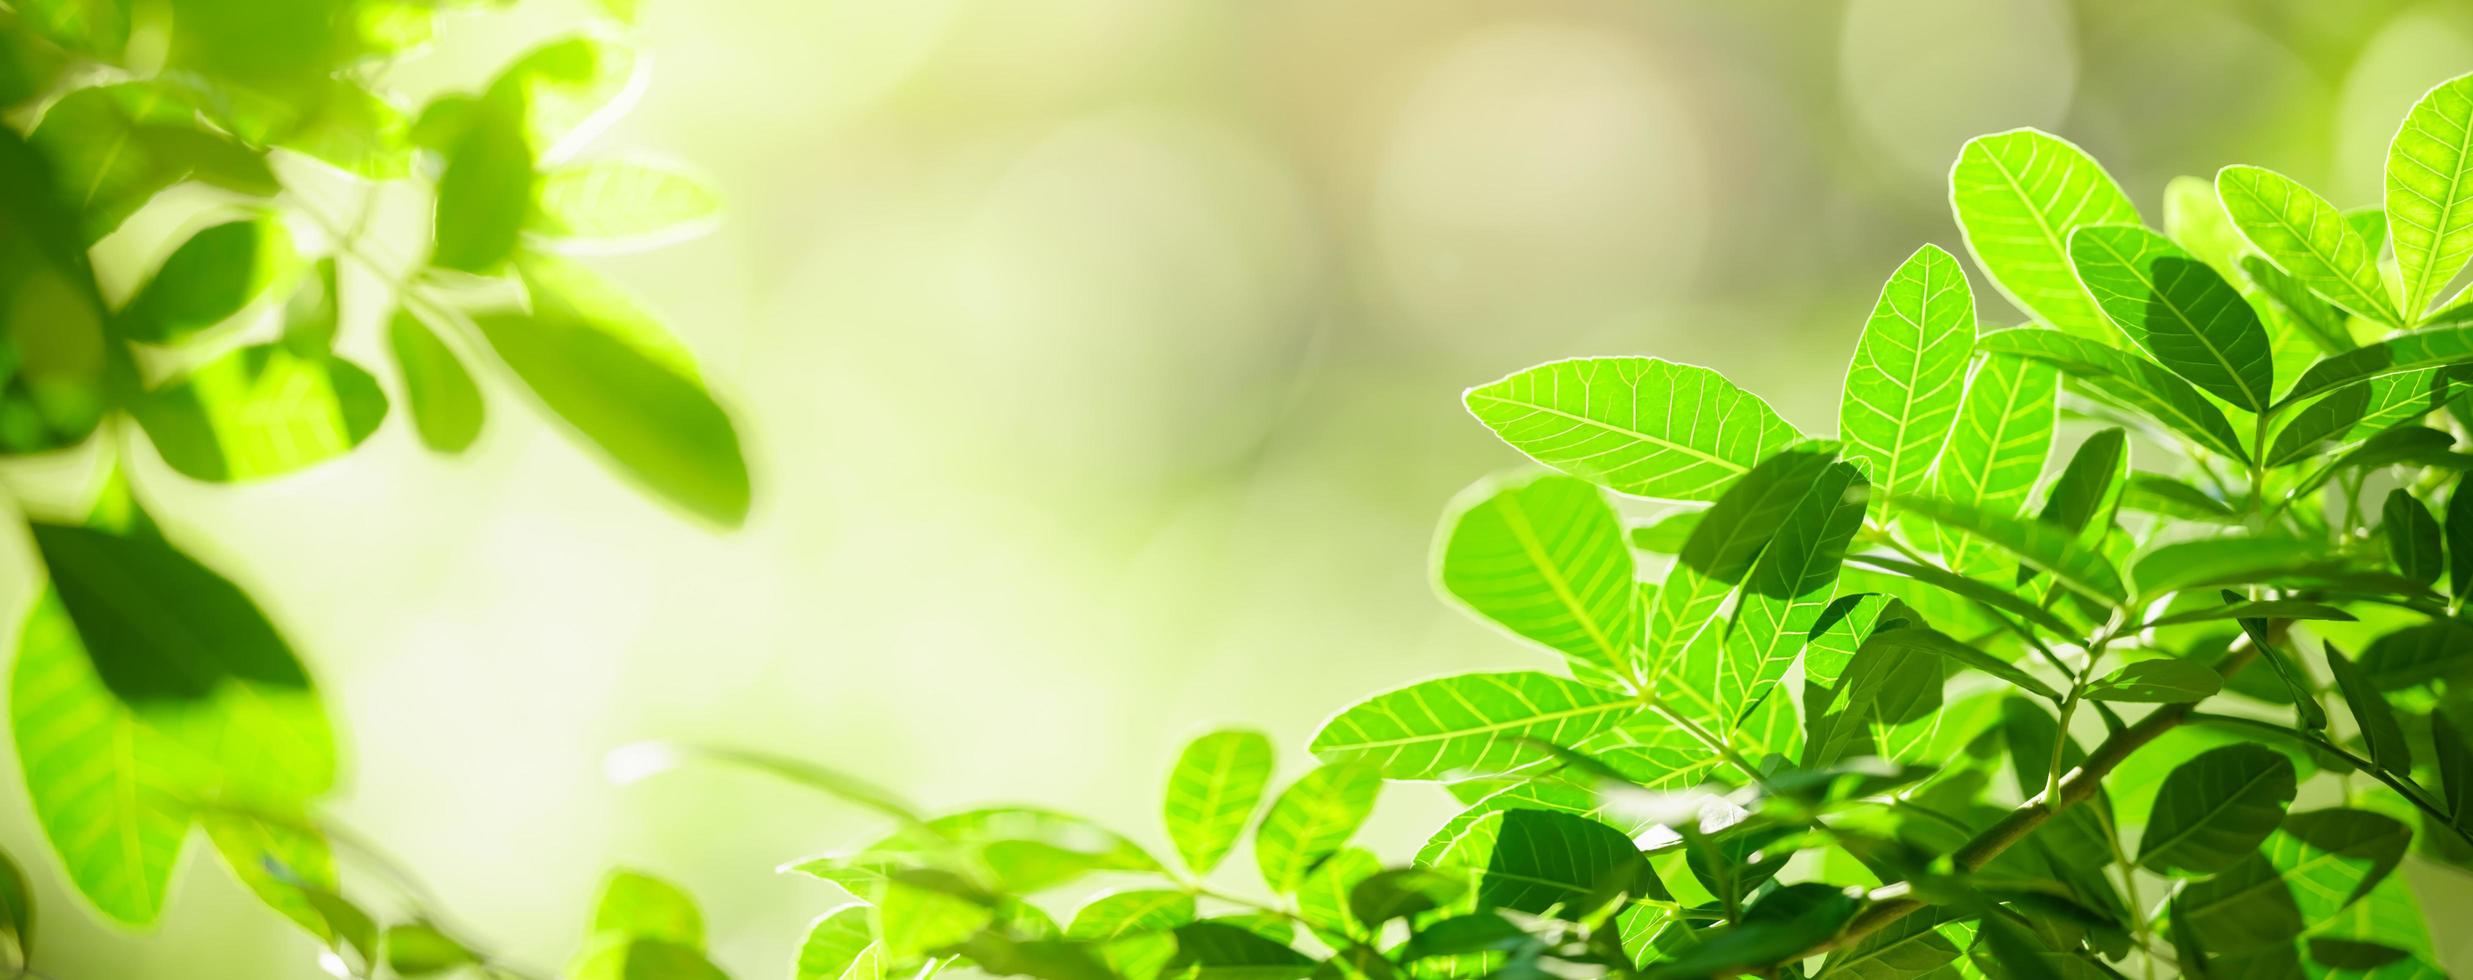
[(2018, 196), (1472, 723), (1543, 556), (1789, 586), (2306, 236), (1902, 391), (1928, 640), (2041, 546), (609, 370), (2430, 191), (1312, 819), (2413, 538), (2126, 378), (260, 412), (2215, 809), (2371, 714), (619, 203), (1636, 425), (485, 193), (445, 404), (2179, 310), (2166, 681), (1212, 792), (1997, 451), (208, 278)]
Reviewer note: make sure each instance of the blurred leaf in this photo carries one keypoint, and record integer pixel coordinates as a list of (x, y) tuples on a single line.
[(1543, 557), (211, 276), (571, 88), (1219, 951), (2306, 236), (123, 143), (839, 946), (2455, 765), (52, 352), (612, 203), (1909, 947), (2164, 681), (1902, 391), (608, 369), (2430, 192), (1212, 792), (2413, 542), (2458, 534), (644, 959), (446, 406), (1131, 911), (922, 912), (16, 911), (282, 861), (1312, 819), (2255, 609), (1470, 723), (640, 906), (418, 949), (1996, 453), (2215, 809), (2178, 309), (1783, 924), (2375, 718), (1636, 425), (1322, 898), (2167, 497), (2355, 411), (2046, 548), (260, 412), (313, 314), (2134, 381), (2018, 196), (1403, 893), (485, 193), (2245, 918)]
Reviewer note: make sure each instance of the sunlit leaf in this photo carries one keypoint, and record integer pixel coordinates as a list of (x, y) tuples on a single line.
[(1212, 792), (1713, 562), (1902, 391), (1636, 425), (614, 203), (840, 946), (2046, 548), (608, 369), (260, 412), (2018, 196), (2430, 192), (2222, 560), (1544, 557), (1995, 454), (445, 404), (1788, 588), (2307, 237), (208, 278), (1312, 819), (640, 906), (1469, 723), (2179, 310), (2215, 809), (2401, 354), (485, 194), (2133, 381)]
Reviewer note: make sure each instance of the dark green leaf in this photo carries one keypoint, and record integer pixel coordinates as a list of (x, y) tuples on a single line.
[(2215, 809), (608, 369), (1400, 893), (2371, 714), (2298, 683), (2459, 537), (2402, 354), (2413, 541), (2157, 682), (2455, 765), (208, 278), (2084, 496), (2133, 381), (2179, 309), (1783, 924), (2220, 560), (2415, 655), (2244, 918)]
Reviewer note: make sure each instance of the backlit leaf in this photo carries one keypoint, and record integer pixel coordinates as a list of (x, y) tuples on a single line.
[(2307, 237), (1312, 819), (1212, 793), (1469, 723), (260, 412), (2133, 381), (1792, 582), (2018, 196), (1902, 391), (2215, 809), (2164, 681), (445, 404), (2430, 192), (1636, 425), (613, 203), (1718, 556), (2179, 310), (1544, 557), (2401, 354), (208, 278), (2047, 549)]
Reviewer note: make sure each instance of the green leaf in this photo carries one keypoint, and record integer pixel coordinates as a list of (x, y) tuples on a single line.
[(1322, 898), (2179, 310), (570, 88), (1541, 861), (1902, 390), (2190, 564), (2325, 325), (1996, 452), (1471, 723), (53, 351), (1403, 893), (2307, 237), (1792, 582), (285, 861), (116, 146), (2215, 809), (1909, 947), (922, 912), (1666, 534), (2400, 354), (2439, 650), (621, 203), (2018, 196), (106, 790), (210, 277), (2166, 681), (311, 317), (2455, 765), (2459, 537), (1219, 951), (640, 906), (261, 412), (643, 959), (2333, 858), (1312, 819), (2371, 713), (607, 368), (2297, 684), (2045, 548), (2255, 609), (1131, 911), (446, 405), (2167, 497), (1782, 924), (418, 949), (1724, 543), (2244, 918), (2430, 192), (1636, 425), (16, 911), (1212, 793), (2354, 411), (2413, 542), (1989, 595), (1928, 640), (2133, 381), (485, 193), (1543, 556), (840, 946), (2085, 496)]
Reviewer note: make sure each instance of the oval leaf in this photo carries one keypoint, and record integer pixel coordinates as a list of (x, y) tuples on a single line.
[(2216, 808), (1635, 425), (1212, 792)]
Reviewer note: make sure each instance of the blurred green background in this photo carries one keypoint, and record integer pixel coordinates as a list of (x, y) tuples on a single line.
[(1098, 362)]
